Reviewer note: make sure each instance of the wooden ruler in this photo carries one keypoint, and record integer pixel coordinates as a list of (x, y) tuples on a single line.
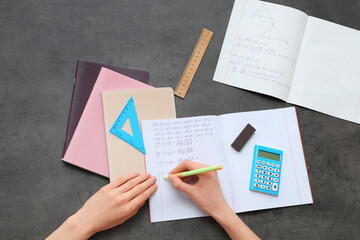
[(193, 63)]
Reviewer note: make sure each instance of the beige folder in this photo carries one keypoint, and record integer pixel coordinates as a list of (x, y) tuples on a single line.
[(150, 103)]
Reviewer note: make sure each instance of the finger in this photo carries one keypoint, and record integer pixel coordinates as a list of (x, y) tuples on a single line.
[(140, 199), (137, 209), (133, 182), (188, 165), (121, 180), (133, 213), (140, 188), (178, 184), (190, 179)]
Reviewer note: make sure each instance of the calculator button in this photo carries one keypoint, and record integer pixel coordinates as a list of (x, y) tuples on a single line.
[(262, 186), (263, 162), (256, 185), (258, 161), (277, 165), (264, 172), (256, 180), (276, 179), (258, 166), (257, 171), (273, 164), (268, 183), (275, 187), (276, 175), (270, 173), (264, 167), (268, 163), (262, 181), (268, 188), (277, 170), (270, 169), (257, 175), (263, 177), (269, 178)]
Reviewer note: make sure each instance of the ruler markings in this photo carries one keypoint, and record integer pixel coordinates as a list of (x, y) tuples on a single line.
[(193, 63)]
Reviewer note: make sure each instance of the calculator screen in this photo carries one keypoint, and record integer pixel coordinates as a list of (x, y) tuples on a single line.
[(268, 155)]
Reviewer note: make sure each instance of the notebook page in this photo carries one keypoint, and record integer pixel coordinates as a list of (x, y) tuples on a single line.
[(260, 48), (275, 129), (168, 143), (327, 74)]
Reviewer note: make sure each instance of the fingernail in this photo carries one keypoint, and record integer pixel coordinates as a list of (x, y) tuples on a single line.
[(153, 178), (147, 174)]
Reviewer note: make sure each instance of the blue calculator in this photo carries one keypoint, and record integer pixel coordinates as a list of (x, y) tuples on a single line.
[(266, 170)]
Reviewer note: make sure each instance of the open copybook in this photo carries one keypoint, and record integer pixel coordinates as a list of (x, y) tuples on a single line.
[(282, 52), (208, 140)]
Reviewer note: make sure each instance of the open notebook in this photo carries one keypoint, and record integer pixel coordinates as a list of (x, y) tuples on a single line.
[(208, 140), (282, 52)]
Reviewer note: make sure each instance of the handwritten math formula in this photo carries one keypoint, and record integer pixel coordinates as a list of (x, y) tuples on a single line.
[(176, 141), (247, 61)]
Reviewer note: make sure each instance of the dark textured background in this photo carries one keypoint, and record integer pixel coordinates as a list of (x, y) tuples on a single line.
[(40, 42)]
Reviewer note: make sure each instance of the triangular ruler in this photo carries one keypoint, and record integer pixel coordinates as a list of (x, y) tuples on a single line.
[(129, 112)]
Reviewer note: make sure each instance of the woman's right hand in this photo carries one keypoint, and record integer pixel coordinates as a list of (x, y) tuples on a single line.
[(206, 192)]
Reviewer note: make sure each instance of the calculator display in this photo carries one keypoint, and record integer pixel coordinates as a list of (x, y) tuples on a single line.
[(267, 155)]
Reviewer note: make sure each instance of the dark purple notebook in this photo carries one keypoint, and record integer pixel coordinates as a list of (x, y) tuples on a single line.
[(85, 78)]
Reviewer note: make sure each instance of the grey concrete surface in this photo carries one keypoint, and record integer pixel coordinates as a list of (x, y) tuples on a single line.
[(40, 42)]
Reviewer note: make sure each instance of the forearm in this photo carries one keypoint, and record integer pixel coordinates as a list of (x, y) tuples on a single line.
[(234, 226), (71, 229)]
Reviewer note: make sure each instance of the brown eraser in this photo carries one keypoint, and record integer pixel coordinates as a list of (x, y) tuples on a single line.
[(243, 137)]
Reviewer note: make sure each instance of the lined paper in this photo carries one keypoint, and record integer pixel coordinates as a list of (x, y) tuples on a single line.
[(208, 140), (168, 143), (261, 47), (275, 129), (283, 52)]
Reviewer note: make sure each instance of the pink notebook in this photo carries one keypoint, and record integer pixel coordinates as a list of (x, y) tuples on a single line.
[(87, 148)]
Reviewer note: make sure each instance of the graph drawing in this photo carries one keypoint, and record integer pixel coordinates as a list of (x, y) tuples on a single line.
[(262, 12), (272, 33)]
